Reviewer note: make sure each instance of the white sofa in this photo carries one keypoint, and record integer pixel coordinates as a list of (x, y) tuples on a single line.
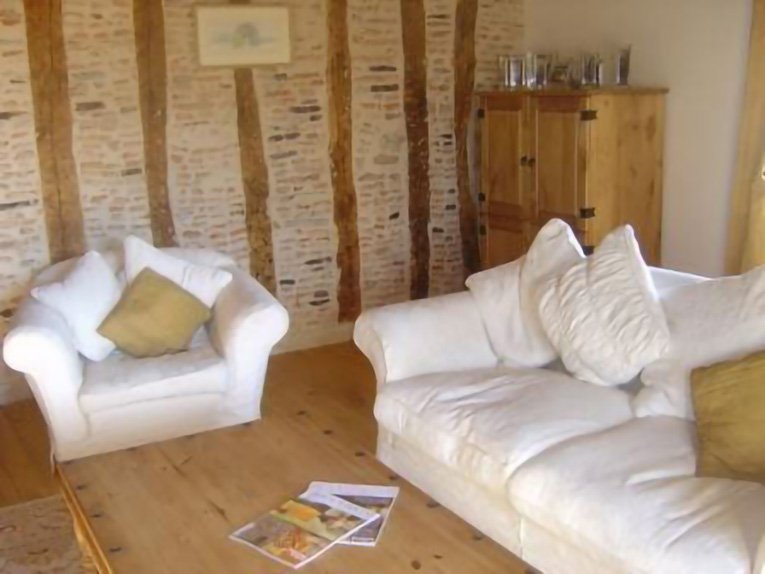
[(92, 407), (556, 470)]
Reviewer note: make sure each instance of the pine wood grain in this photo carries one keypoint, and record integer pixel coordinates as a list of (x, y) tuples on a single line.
[(254, 180), (609, 163), (25, 467), (418, 143), (341, 158), (53, 124), (169, 507), (149, 24), (464, 79)]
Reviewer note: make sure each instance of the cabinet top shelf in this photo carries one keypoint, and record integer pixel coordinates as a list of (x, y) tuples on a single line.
[(583, 91)]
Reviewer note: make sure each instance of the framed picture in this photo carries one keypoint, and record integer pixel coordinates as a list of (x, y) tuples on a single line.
[(243, 35)]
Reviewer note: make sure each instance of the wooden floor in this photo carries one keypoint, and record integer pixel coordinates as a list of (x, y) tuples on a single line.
[(333, 385)]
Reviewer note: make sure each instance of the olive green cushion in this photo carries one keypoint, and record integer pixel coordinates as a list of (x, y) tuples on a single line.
[(154, 317), (729, 400)]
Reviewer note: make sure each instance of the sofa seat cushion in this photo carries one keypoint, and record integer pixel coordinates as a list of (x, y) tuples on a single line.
[(629, 492), (486, 423), (120, 380)]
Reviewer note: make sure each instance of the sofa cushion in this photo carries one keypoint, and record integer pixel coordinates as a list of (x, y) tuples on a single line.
[(710, 321), (204, 282), (119, 379), (508, 296), (729, 403), (84, 297), (486, 423), (629, 492), (603, 315), (154, 317)]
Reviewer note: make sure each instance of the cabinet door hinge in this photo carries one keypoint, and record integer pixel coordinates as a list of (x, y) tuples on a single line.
[(588, 115), (587, 213)]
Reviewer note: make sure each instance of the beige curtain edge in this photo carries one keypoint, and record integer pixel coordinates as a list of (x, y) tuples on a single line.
[(742, 223)]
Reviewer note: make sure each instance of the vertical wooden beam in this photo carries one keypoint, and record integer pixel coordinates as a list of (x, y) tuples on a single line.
[(464, 79), (254, 180), (416, 113), (149, 25), (53, 123), (341, 146)]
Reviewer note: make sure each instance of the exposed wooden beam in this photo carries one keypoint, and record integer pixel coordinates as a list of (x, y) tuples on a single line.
[(750, 148), (464, 79), (53, 124), (416, 113), (149, 25), (341, 147), (254, 180)]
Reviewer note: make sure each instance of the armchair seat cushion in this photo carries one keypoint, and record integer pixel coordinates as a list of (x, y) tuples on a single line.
[(120, 380)]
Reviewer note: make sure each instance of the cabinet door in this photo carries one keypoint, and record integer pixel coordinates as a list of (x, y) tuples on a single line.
[(558, 162), (503, 181)]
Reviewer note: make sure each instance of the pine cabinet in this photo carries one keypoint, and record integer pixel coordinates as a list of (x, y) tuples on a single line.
[(590, 157)]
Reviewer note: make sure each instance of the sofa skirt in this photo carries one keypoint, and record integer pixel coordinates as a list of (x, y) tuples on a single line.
[(489, 511)]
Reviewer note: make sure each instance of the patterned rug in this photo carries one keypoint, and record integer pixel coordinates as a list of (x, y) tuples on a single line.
[(37, 538)]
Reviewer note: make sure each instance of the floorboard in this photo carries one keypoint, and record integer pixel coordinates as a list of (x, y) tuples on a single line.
[(333, 386)]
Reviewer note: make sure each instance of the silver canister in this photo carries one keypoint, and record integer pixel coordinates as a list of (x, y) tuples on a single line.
[(623, 66), (516, 71)]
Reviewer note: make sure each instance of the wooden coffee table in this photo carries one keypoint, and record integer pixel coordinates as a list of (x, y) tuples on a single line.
[(169, 507)]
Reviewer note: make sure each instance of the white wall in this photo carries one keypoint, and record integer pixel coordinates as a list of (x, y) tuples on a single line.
[(698, 49)]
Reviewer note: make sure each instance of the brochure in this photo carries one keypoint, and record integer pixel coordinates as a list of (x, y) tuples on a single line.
[(302, 528), (378, 499)]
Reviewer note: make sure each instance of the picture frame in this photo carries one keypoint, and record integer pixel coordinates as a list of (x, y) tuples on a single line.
[(241, 36)]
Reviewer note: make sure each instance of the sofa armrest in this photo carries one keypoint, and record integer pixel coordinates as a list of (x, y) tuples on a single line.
[(247, 322), (40, 345), (439, 334)]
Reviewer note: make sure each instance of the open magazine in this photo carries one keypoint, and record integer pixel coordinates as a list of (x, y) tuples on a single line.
[(378, 499), (302, 528)]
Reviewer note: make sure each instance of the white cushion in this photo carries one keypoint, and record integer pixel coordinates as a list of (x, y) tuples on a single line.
[(629, 492), (709, 322), (202, 281), (486, 423), (121, 380), (603, 315), (84, 298), (508, 296)]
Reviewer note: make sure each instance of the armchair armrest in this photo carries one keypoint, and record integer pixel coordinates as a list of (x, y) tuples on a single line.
[(40, 345), (247, 322), (759, 561), (439, 334)]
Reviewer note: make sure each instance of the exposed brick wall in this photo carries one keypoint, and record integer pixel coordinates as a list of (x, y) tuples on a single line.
[(445, 242), (380, 150), (293, 110), (107, 140), (204, 171), (23, 241), (499, 31)]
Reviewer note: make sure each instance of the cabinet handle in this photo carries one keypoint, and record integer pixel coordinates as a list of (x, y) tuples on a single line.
[(532, 161), (524, 161)]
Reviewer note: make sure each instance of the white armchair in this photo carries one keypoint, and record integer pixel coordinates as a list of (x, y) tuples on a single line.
[(121, 401)]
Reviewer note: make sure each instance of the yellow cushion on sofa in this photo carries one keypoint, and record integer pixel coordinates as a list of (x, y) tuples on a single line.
[(729, 400), (154, 317)]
